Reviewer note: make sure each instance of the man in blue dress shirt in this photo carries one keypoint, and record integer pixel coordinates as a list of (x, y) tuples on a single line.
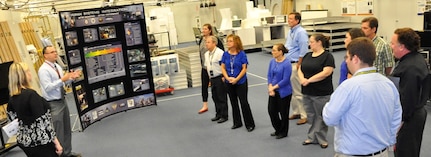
[(297, 45), (52, 86), (365, 110)]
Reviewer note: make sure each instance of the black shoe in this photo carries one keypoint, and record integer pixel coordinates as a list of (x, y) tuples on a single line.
[(222, 120), (236, 126), (250, 129), (215, 118), (73, 154), (280, 136), (274, 134)]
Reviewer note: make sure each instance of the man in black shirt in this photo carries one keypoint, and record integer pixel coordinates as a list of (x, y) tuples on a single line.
[(411, 74)]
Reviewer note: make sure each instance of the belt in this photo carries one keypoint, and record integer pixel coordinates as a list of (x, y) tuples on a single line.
[(372, 154), (293, 61), (216, 77), (54, 100)]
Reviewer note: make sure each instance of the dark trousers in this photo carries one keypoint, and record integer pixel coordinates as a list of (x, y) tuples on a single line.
[(46, 150), (205, 79), (61, 120), (219, 95), (409, 137), (240, 92), (278, 109)]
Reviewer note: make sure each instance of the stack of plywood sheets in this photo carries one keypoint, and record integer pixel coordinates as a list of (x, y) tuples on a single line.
[(8, 49), (31, 38)]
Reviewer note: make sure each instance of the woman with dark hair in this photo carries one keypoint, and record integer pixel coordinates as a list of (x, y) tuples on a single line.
[(234, 68), (36, 135), (279, 90), (315, 75), (350, 35), (207, 30)]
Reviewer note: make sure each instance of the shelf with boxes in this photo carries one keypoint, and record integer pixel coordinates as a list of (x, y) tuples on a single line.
[(334, 27), (166, 69)]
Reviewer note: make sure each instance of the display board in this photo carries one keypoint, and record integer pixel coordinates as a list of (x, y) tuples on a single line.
[(110, 46)]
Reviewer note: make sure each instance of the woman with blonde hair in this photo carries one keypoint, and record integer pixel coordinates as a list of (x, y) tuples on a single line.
[(36, 135), (234, 68)]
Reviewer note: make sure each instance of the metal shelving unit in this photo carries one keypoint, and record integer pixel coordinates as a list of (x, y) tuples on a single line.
[(335, 27)]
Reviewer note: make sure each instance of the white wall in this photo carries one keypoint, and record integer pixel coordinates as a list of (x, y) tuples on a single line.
[(392, 14), (185, 13)]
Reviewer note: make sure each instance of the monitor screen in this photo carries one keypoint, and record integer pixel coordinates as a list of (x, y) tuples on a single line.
[(425, 38), (236, 23)]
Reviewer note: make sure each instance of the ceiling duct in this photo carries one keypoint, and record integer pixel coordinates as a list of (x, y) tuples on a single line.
[(15, 4)]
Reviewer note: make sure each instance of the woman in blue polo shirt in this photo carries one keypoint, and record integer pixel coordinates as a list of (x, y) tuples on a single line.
[(234, 68)]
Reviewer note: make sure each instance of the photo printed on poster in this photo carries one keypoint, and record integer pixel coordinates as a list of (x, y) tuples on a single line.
[(71, 38), (107, 32), (74, 56), (90, 35), (140, 85), (117, 106), (82, 97), (81, 75), (138, 70), (99, 94), (67, 20), (136, 55), (104, 62), (133, 33), (116, 90)]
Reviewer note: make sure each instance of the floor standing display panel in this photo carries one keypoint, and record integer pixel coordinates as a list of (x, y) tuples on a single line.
[(110, 47)]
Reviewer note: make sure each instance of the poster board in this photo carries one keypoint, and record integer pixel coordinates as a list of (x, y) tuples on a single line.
[(357, 7), (110, 46)]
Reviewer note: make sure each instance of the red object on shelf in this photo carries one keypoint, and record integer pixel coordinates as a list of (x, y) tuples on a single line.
[(169, 90)]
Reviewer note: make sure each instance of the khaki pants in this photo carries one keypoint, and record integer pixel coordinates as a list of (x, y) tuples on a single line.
[(296, 103)]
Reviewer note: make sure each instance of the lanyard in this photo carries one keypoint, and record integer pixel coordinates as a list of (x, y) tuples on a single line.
[(211, 55), (55, 68), (232, 61), (365, 72)]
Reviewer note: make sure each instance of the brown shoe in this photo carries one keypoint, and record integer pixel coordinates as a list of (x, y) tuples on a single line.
[(301, 121), (294, 116)]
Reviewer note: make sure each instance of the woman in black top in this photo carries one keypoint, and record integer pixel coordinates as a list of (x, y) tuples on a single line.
[(315, 76), (207, 30), (36, 134)]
